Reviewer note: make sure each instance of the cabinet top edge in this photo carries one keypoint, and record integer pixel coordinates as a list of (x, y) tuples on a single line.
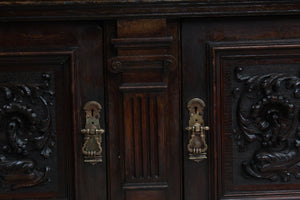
[(28, 10), (174, 2)]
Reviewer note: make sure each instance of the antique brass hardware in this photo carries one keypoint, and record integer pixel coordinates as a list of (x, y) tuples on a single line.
[(91, 148), (197, 146)]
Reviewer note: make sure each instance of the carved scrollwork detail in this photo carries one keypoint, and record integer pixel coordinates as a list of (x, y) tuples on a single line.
[(21, 173), (267, 114), (26, 125)]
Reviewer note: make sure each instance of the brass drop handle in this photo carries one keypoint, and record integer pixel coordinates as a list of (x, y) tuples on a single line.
[(197, 128), (92, 149), (197, 146)]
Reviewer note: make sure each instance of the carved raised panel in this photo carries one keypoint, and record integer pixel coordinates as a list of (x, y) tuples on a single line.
[(27, 125), (257, 88), (31, 123), (271, 119)]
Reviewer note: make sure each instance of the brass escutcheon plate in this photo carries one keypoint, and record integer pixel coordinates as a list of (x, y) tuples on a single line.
[(92, 149), (197, 146)]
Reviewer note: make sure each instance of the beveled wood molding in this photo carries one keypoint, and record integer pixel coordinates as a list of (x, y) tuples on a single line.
[(105, 9), (125, 63), (146, 42)]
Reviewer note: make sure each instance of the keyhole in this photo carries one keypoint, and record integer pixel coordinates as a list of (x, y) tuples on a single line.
[(196, 112), (92, 114)]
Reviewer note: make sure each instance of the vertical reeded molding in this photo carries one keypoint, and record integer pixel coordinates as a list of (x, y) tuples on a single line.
[(144, 137)]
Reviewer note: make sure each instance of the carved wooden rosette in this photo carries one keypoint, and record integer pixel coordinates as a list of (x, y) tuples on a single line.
[(26, 122), (272, 120)]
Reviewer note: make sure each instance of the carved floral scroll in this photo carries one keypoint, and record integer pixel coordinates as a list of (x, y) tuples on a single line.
[(267, 114), (26, 129)]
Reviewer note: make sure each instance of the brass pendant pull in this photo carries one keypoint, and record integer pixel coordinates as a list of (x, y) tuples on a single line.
[(197, 146), (91, 148)]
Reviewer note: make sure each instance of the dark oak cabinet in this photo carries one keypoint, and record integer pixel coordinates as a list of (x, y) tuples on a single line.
[(149, 100)]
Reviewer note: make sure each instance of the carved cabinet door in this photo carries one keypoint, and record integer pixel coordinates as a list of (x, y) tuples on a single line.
[(247, 72), (53, 140), (48, 71)]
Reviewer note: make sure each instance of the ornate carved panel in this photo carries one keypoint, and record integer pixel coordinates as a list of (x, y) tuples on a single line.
[(32, 92), (257, 105), (27, 124), (266, 113)]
